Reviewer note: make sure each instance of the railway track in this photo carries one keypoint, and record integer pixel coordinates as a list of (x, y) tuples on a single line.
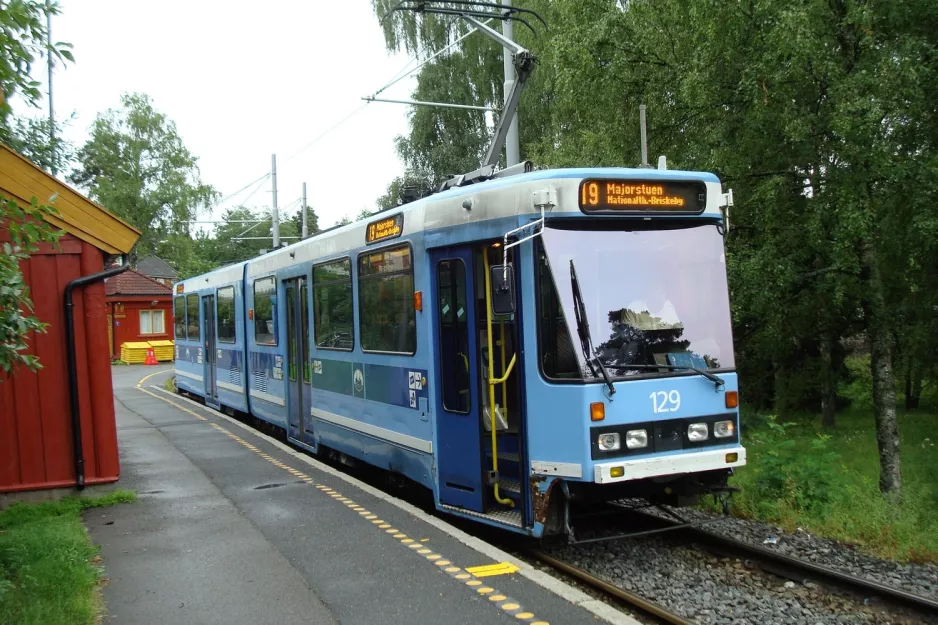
[(610, 590), (781, 565), (796, 569), (799, 570)]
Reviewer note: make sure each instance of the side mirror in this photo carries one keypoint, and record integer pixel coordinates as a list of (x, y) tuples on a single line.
[(503, 289)]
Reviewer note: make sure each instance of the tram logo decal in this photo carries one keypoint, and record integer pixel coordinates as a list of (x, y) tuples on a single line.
[(359, 381), (415, 382)]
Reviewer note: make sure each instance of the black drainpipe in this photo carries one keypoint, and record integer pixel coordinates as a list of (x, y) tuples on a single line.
[(72, 367)]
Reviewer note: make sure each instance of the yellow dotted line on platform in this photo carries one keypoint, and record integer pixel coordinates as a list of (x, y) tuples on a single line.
[(503, 601)]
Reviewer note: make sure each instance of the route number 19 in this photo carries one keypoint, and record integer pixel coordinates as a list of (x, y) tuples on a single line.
[(665, 401)]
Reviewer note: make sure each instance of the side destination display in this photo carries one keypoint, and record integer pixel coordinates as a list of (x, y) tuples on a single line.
[(387, 228), (642, 196)]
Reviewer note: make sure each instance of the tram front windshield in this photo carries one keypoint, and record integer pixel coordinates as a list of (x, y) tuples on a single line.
[(656, 301)]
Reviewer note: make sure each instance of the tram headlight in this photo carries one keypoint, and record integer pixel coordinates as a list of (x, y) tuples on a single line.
[(636, 439), (697, 432), (724, 429), (609, 442)]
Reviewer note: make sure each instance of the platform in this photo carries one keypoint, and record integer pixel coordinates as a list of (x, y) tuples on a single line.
[(232, 526)]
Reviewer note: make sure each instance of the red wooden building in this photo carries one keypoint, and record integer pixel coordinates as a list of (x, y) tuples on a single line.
[(138, 309), (57, 426)]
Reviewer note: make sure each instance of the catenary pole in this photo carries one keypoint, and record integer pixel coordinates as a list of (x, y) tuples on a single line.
[(49, 62), (512, 148), (305, 232), (275, 218)]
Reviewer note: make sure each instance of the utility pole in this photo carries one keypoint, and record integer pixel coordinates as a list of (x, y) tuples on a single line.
[(512, 148), (644, 136), (275, 218), (305, 232), (49, 62)]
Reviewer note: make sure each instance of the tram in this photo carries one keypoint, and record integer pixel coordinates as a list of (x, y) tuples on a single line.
[(532, 343)]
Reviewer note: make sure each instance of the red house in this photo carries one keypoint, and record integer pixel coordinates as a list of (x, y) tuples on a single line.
[(57, 427), (138, 309)]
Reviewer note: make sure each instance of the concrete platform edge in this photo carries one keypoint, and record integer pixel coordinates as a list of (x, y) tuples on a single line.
[(600, 610)]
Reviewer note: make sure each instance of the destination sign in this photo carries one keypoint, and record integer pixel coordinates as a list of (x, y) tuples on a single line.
[(617, 196), (179, 288), (382, 229)]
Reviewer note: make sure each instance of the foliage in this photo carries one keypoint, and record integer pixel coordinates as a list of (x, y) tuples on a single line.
[(26, 230), (821, 116), (804, 485), (800, 476), (32, 138), (137, 166), (22, 42), (47, 572), (192, 256)]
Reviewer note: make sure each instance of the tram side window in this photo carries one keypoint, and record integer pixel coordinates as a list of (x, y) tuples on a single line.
[(179, 317), (332, 305), (454, 335), (386, 301), (192, 316), (558, 360), (225, 311), (265, 311)]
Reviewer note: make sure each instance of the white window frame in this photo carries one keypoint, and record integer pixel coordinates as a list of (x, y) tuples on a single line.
[(151, 314)]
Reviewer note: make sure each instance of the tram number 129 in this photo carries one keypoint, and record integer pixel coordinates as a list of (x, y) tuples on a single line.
[(665, 401)]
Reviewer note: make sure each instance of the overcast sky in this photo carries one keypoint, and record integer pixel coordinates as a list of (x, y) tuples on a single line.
[(242, 81)]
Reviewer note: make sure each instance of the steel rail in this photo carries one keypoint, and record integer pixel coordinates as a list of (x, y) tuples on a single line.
[(787, 566), (619, 593), (797, 569)]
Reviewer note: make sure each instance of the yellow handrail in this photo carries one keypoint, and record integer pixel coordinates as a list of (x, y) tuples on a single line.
[(491, 381), (511, 365), (501, 330)]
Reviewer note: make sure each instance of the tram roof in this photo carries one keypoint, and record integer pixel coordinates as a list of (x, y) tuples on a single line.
[(339, 240)]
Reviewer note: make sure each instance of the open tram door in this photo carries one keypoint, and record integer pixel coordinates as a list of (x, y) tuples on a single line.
[(480, 470), (299, 392), (210, 360)]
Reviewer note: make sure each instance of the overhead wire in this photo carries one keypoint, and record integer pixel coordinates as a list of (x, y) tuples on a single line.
[(400, 75)]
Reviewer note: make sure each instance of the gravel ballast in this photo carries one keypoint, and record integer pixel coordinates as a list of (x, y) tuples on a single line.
[(919, 579), (708, 589)]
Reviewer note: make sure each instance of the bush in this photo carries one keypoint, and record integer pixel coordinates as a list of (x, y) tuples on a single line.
[(790, 475)]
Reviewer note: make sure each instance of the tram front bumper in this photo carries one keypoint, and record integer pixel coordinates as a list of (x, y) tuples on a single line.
[(626, 469)]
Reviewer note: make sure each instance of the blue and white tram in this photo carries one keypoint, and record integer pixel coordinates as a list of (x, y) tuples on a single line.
[(521, 345)]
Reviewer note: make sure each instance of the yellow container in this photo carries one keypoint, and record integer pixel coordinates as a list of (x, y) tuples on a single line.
[(134, 352), (163, 350)]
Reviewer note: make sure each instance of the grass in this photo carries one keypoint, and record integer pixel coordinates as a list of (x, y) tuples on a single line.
[(48, 574), (828, 483)]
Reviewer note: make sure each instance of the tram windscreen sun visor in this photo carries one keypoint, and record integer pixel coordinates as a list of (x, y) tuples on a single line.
[(654, 301), (642, 196)]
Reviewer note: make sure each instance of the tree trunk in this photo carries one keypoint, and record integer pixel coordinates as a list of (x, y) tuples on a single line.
[(913, 394), (908, 386), (781, 396), (828, 381), (884, 391)]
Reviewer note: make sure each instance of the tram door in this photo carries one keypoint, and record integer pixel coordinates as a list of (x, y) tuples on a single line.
[(457, 408), (298, 366), (209, 360)]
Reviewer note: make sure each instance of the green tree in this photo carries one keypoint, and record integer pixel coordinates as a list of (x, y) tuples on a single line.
[(26, 230), (443, 142), (822, 117), (136, 165), (295, 223), (22, 44), (22, 41)]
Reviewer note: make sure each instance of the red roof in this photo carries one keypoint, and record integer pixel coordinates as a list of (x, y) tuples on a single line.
[(133, 283)]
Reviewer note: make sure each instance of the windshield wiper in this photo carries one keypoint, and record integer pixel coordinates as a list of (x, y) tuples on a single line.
[(583, 330), (717, 380)]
